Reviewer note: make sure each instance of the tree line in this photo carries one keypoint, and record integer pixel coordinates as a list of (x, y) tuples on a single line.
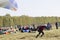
[(9, 20)]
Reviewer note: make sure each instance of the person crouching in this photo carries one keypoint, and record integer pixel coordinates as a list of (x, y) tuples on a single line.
[(40, 30)]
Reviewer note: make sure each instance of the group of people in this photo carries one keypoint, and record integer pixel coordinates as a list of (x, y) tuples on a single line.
[(27, 27), (39, 28)]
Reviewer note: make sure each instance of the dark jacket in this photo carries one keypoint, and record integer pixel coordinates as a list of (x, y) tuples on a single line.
[(40, 28)]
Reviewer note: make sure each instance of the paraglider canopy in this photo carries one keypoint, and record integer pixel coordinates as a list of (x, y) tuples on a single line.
[(9, 4)]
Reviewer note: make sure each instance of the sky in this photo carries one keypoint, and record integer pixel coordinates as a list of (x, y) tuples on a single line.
[(34, 8)]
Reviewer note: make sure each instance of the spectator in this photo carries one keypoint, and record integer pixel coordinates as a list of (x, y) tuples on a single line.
[(56, 24), (48, 26)]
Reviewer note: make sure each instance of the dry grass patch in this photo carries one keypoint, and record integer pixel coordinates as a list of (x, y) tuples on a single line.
[(49, 35)]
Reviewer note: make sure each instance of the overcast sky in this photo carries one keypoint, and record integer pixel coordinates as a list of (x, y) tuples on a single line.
[(35, 8)]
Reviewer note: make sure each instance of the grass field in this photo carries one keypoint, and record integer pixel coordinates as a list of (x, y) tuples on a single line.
[(53, 34)]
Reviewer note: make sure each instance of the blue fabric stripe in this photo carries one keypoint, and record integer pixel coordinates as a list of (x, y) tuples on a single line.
[(7, 7), (11, 1), (15, 4)]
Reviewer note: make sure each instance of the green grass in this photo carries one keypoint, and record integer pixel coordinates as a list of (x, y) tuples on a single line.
[(49, 35)]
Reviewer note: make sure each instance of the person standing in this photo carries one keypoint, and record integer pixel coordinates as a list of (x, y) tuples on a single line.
[(48, 26), (56, 24)]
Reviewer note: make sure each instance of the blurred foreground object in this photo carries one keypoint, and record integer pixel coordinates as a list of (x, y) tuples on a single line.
[(9, 4)]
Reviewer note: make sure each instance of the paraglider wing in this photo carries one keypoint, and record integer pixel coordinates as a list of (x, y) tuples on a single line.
[(9, 4)]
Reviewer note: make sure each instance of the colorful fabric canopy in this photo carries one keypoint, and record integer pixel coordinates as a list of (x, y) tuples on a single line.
[(9, 4)]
